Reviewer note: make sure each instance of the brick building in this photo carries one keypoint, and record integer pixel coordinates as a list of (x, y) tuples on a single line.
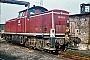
[(80, 26)]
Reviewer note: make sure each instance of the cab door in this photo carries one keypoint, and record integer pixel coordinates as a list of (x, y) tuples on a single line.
[(21, 22)]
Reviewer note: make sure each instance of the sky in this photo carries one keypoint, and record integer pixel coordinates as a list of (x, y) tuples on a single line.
[(9, 11)]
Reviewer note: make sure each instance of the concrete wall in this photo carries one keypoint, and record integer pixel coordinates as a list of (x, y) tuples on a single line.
[(83, 26)]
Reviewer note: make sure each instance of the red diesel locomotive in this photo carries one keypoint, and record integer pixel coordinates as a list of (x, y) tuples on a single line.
[(39, 28)]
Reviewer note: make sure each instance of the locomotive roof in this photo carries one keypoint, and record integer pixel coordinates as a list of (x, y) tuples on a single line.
[(59, 10), (35, 7)]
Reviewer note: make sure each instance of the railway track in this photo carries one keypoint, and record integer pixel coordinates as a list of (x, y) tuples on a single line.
[(65, 54), (10, 51), (73, 55)]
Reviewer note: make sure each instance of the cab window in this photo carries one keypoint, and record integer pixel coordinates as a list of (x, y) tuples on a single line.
[(42, 11), (21, 14), (31, 11)]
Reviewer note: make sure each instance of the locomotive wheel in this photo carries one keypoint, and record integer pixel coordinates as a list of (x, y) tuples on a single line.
[(26, 43), (62, 48), (50, 52), (45, 50), (21, 40), (34, 48)]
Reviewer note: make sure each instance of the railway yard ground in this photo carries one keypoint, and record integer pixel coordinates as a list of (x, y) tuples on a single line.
[(14, 52)]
